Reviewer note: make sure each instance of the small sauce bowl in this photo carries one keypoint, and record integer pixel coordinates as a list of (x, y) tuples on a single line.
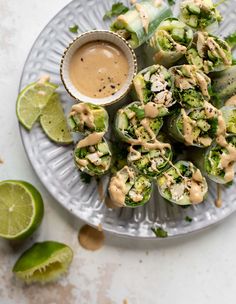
[(106, 37)]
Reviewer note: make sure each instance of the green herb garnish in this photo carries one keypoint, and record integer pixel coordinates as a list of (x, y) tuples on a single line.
[(231, 39), (74, 29), (233, 61), (188, 219), (116, 10), (140, 113), (160, 232), (86, 178), (171, 2)]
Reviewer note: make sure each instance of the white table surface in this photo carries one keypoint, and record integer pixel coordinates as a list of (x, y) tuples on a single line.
[(197, 269)]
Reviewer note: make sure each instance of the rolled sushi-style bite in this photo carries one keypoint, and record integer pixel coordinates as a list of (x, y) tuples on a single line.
[(199, 14), (195, 127), (127, 188), (133, 124), (153, 87), (191, 86), (209, 53), (139, 23), (218, 161), (229, 114), (88, 118), (150, 159), (92, 154), (183, 184), (170, 42)]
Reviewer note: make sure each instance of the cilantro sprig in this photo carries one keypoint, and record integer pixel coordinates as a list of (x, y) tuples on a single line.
[(116, 10), (159, 232)]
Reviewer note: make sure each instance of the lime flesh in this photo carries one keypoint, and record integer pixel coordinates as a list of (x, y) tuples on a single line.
[(54, 123), (32, 100), (21, 209), (43, 262)]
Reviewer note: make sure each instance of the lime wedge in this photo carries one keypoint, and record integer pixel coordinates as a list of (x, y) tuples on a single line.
[(43, 262), (54, 123), (21, 209), (32, 100)]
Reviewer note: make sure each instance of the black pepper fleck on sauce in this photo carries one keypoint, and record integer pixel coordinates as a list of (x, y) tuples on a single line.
[(82, 59), (112, 86)]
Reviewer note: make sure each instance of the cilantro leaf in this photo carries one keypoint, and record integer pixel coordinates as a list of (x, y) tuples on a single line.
[(86, 178), (74, 29), (116, 10), (160, 232), (171, 2), (233, 61), (188, 219), (231, 39)]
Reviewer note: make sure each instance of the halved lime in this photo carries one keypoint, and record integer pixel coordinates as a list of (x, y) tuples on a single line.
[(32, 100), (54, 123), (43, 262), (21, 209)]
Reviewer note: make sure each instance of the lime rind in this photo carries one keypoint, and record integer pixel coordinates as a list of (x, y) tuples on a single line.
[(43, 262), (37, 207), (31, 100)]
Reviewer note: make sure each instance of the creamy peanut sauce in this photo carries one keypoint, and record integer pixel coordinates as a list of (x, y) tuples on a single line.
[(217, 50), (187, 127), (117, 188), (143, 16), (231, 101), (151, 109), (98, 69), (218, 201), (91, 238), (86, 117), (146, 124), (196, 194), (91, 139)]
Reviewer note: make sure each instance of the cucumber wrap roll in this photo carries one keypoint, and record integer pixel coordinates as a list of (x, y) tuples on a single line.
[(150, 159), (195, 127), (134, 126), (153, 87), (218, 161), (199, 14), (93, 155), (229, 114), (87, 118), (140, 22), (182, 184), (223, 85), (209, 53), (170, 42), (191, 86), (127, 188)]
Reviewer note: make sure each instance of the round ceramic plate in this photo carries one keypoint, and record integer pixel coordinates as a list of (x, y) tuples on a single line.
[(54, 164)]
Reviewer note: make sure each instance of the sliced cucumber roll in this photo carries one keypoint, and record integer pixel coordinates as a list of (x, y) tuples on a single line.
[(170, 42), (139, 23), (134, 127), (150, 160), (191, 86), (199, 14), (127, 188), (197, 127), (209, 53), (223, 85), (92, 154), (229, 114), (88, 118), (153, 87), (218, 161), (182, 184)]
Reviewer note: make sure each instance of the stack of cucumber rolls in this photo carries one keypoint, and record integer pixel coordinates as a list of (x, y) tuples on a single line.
[(185, 100), (92, 154)]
